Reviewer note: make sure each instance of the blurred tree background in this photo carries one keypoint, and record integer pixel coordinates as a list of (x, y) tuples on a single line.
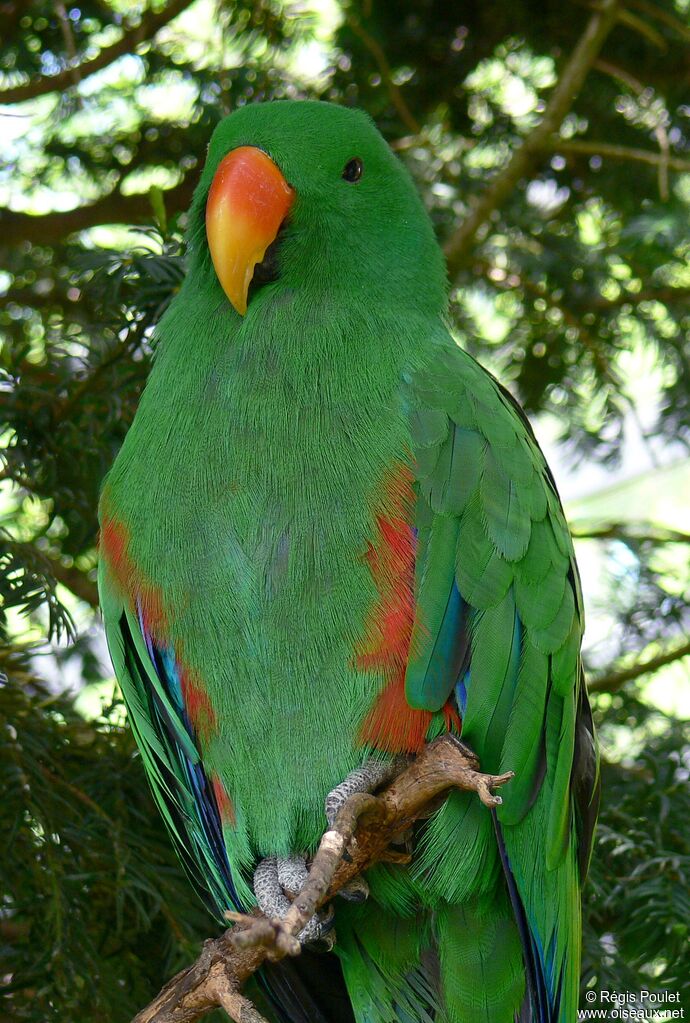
[(551, 143)]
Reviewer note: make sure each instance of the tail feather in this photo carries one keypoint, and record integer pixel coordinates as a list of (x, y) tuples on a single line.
[(482, 975), (539, 1005)]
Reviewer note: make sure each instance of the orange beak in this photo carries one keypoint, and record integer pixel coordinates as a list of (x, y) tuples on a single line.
[(248, 201)]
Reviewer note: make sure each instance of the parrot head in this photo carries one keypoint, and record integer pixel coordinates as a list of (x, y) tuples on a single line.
[(303, 202)]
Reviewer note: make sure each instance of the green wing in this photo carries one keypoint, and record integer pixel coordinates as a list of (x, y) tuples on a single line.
[(495, 560)]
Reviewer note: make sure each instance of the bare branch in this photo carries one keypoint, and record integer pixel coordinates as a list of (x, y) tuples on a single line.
[(74, 580), (364, 829), (638, 532), (197, 990), (377, 52), (128, 42), (606, 149), (114, 208), (528, 154), (644, 29), (68, 37), (666, 17), (643, 98), (615, 680)]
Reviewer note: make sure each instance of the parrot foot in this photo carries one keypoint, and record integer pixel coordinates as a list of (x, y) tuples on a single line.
[(293, 873), (367, 778), (277, 880)]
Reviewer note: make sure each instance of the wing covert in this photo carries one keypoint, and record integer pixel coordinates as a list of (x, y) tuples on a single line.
[(483, 480)]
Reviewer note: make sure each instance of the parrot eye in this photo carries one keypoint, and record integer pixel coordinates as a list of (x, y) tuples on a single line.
[(353, 170)]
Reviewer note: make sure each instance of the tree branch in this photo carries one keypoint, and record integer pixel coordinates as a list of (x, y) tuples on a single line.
[(661, 15), (644, 29), (114, 208), (68, 37), (644, 97), (665, 295), (589, 340), (512, 280), (394, 92), (615, 680), (147, 27), (528, 154), (360, 837), (74, 580), (613, 152), (640, 533)]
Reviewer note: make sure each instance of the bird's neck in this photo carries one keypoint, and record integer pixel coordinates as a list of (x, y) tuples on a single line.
[(284, 358)]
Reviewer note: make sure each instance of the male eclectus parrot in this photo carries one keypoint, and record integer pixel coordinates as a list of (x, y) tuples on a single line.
[(329, 537)]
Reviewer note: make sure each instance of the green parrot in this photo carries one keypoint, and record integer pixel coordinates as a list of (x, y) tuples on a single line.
[(329, 537)]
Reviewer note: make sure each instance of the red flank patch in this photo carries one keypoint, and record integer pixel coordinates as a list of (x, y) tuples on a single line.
[(391, 724), (114, 547), (223, 801)]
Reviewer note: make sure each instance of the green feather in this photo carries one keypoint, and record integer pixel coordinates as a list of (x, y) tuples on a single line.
[(507, 520), (534, 496), (553, 635), (524, 739), (538, 560), (494, 419), (387, 964), (559, 771), (517, 461), (565, 544), (429, 428), (495, 654), (427, 684), (457, 856), (564, 662), (456, 473), (481, 961), (483, 575), (538, 602)]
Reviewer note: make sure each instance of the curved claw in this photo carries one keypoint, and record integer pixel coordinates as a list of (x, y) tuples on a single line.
[(356, 890)]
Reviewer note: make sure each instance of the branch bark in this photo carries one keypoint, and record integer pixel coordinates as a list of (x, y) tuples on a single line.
[(360, 837), (666, 17), (76, 72), (615, 680), (75, 581), (588, 147), (114, 208), (637, 532), (528, 154), (394, 92)]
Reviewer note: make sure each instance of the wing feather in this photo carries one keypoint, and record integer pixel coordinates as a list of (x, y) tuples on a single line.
[(182, 790), (522, 693)]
